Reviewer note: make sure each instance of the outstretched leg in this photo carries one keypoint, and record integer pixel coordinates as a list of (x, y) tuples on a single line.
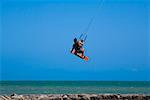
[(81, 53)]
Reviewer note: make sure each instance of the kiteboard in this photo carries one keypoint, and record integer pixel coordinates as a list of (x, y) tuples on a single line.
[(80, 55)]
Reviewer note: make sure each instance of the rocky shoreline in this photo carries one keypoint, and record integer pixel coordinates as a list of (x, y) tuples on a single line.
[(75, 97)]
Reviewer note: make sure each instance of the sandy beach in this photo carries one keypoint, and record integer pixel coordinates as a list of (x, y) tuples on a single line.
[(75, 97)]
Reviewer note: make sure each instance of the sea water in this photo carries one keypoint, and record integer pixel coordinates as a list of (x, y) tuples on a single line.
[(74, 87)]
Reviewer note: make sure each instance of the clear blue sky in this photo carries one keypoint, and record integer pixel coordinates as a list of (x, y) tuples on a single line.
[(37, 36)]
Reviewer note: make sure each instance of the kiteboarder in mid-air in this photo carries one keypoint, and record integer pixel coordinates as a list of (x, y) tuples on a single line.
[(78, 49)]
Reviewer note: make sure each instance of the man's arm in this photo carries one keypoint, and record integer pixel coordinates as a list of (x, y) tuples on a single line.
[(73, 47), (75, 40)]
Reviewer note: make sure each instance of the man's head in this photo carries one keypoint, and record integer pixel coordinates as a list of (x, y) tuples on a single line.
[(80, 42)]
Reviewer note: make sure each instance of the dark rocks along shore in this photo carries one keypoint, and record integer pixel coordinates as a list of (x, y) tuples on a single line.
[(75, 97)]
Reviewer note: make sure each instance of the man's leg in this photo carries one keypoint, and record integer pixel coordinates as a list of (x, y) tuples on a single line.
[(82, 51)]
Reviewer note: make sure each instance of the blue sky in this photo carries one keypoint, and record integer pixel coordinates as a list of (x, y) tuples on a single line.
[(38, 34)]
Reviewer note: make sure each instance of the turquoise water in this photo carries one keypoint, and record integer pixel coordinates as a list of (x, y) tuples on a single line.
[(74, 87)]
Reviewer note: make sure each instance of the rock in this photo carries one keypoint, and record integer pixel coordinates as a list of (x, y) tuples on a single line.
[(65, 97), (13, 94), (146, 97), (118, 96), (73, 96), (5, 98), (55, 97), (85, 97), (94, 97), (16, 97), (43, 97)]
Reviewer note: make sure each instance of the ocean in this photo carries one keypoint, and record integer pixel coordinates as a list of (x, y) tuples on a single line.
[(74, 87)]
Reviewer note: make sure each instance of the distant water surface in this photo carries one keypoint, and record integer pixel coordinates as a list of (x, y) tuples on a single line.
[(74, 87)]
